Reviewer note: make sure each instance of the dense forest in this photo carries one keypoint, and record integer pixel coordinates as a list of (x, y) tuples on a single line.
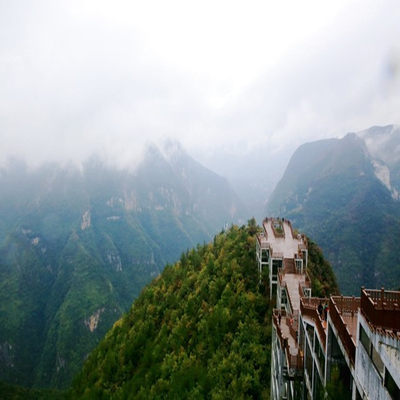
[(78, 245), (13, 392), (323, 279), (201, 329)]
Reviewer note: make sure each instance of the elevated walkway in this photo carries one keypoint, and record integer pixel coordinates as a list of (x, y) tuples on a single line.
[(288, 266), (284, 244)]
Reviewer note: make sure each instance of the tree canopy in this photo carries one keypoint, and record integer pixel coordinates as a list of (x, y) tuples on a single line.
[(199, 330)]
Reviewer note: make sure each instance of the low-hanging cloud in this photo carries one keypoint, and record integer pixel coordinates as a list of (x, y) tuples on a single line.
[(89, 77)]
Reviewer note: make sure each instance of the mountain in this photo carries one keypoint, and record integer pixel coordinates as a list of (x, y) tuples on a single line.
[(77, 244), (202, 329), (12, 392), (383, 144), (252, 171), (344, 194)]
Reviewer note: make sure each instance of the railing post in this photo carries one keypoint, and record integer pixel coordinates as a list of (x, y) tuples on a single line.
[(382, 297)]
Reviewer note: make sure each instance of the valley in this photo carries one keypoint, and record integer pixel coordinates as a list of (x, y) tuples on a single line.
[(78, 245)]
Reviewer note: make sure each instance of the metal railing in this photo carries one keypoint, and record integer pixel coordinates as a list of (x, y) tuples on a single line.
[(301, 291), (262, 240), (294, 324), (293, 355), (291, 228), (338, 306), (345, 304), (309, 308), (381, 308), (383, 299), (296, 361)]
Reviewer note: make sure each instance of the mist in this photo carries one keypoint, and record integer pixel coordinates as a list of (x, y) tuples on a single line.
[(229, 80)]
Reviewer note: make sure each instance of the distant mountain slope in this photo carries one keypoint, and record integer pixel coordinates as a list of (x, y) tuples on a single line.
[(76, 246), (345, 197), (383, 144), (253, 171), (199, 330)]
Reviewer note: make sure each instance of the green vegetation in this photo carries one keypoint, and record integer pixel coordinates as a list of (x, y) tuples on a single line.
[(278, 228), (77, 247), (335, 388), (323, 280), (330, 191), (10, 392), (200, 330)]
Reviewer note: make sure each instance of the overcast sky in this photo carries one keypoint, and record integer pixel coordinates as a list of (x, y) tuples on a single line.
[(78, 77)]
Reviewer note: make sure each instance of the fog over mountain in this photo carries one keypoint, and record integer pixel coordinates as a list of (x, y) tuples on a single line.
[(131, 131), (383, 144), (78, 245), (84, 77)]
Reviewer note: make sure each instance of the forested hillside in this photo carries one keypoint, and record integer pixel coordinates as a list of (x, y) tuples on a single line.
[(12, 392), (323, 279), (78, 245), (345, 194), (199, 330)]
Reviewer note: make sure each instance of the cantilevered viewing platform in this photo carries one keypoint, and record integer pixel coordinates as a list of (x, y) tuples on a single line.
[(280, 250), (280, 236), (349, 342)]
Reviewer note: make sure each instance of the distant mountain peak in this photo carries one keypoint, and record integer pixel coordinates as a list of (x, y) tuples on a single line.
[(77, 245), (171, 148), (345, 192), (382, 172), (383, 142)]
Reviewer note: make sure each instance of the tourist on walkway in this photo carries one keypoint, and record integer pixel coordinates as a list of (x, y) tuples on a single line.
[(320, 309)]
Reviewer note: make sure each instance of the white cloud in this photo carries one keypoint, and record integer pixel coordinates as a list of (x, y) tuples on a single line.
[(79, 77)]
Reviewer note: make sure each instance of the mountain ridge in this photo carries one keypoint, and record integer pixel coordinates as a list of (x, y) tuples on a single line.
[(78, 244), (331, 190), (201, 329)]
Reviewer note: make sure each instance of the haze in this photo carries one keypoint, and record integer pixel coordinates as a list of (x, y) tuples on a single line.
[(225, 78)]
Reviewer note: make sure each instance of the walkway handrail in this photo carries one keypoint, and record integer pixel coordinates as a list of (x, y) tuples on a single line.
[(309, 308), (381, 308), (344, 334)]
